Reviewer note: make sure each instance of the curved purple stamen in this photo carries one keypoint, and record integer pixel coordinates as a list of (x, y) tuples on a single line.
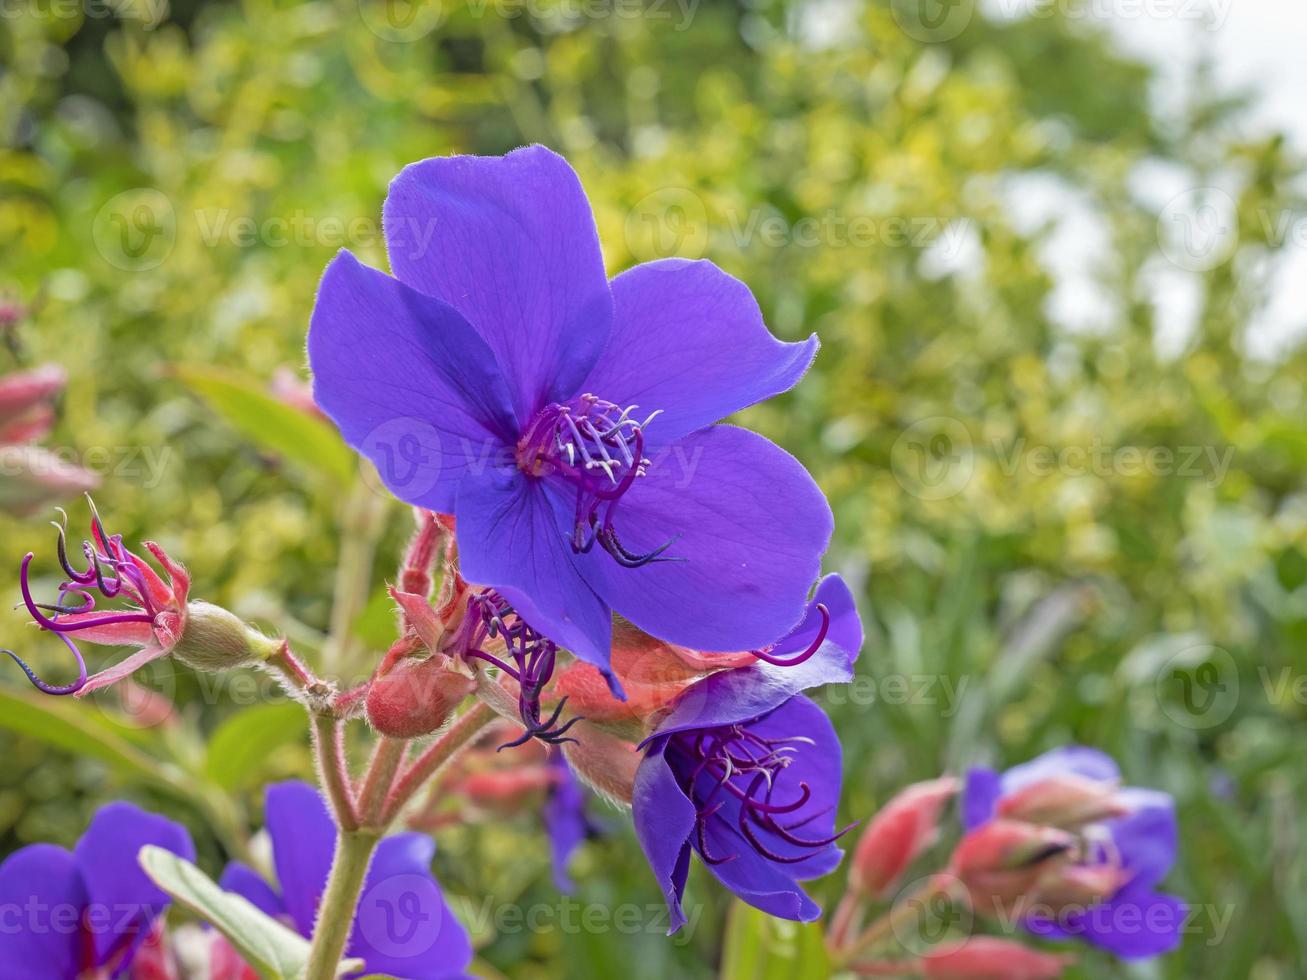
[(44, 686), (746, 766), (813, 647), (53, 626), (489, 616)]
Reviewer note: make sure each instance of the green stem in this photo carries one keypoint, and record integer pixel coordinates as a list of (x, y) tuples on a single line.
[(457, 737), (349, 869), (333, 769)]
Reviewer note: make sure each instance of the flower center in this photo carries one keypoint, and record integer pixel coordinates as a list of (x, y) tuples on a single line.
[(734, 765), (597, 447)]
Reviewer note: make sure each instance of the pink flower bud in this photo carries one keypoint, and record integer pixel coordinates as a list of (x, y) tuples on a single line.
[(1079, 886), (417, 697), (20, 393), (1001, 862), (905, 826), (32, 478), (604, 762), (989, 958), (1066, 800)]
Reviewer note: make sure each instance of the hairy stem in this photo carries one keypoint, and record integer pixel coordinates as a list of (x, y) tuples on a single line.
[(386, 760), (349, 869), (333, 769), (458, 736)]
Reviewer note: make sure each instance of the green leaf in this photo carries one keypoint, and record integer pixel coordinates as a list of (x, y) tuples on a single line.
[(271, 423), (760, 947), (81, 729), (239, 746), (274, 951)]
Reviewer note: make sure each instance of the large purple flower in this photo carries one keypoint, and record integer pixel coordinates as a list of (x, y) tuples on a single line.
[(745, 771), (403, 927), (568, 422), (86, 913), (1138, 839)]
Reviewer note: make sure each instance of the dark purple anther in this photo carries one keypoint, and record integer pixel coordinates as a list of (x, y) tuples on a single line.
[(736, 770), (490, 617), (599, 449)]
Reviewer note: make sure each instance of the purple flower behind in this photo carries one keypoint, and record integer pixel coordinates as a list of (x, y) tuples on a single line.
[(566, 821), (403, 927), (68, 915), (1136, 920), (745, 771), (569, 422)]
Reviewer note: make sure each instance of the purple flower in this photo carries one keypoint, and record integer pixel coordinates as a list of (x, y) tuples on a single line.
[(1139, 841), (403, 927), (745, 771), (69, 915), (566, 821), (502, 378)]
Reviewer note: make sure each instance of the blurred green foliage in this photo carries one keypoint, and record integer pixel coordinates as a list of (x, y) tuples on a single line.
[(1013, 603)]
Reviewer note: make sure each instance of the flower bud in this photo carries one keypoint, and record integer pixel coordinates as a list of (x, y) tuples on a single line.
[(21, 393), (1067, 801), (905, 826), (214, 639), (31, 478), (604, 762), (417, 697), (1075, 887), (506, 791), (990, 958), (1001, 862)]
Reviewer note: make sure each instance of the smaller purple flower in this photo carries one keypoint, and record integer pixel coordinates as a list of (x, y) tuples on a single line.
[(566, 820), (745, 771), (66, 915), (1139, 841), (402, 928)]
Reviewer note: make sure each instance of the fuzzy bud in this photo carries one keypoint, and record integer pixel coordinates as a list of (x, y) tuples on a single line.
[(605, 762), (1065, 801), (990, 958), (905, 826), (417, 697), (1001, 862), (214, 639)]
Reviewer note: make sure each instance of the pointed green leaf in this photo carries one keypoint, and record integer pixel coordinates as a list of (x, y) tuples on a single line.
[(271, 423), (243, 741), (274, 951)]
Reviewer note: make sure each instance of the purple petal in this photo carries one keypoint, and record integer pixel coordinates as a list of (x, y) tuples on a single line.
[(508, 539), (750, 526), (980, 796), (690, 340), (249, 884), (410, 384), (41, 903), (1077, 760), (403, 927), (844, 630), (565, 820), (1138, 923), (743, 694), (664, 822), (1147, 837), (511, 244), (763, 884), (303, 842), (117, 888)]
